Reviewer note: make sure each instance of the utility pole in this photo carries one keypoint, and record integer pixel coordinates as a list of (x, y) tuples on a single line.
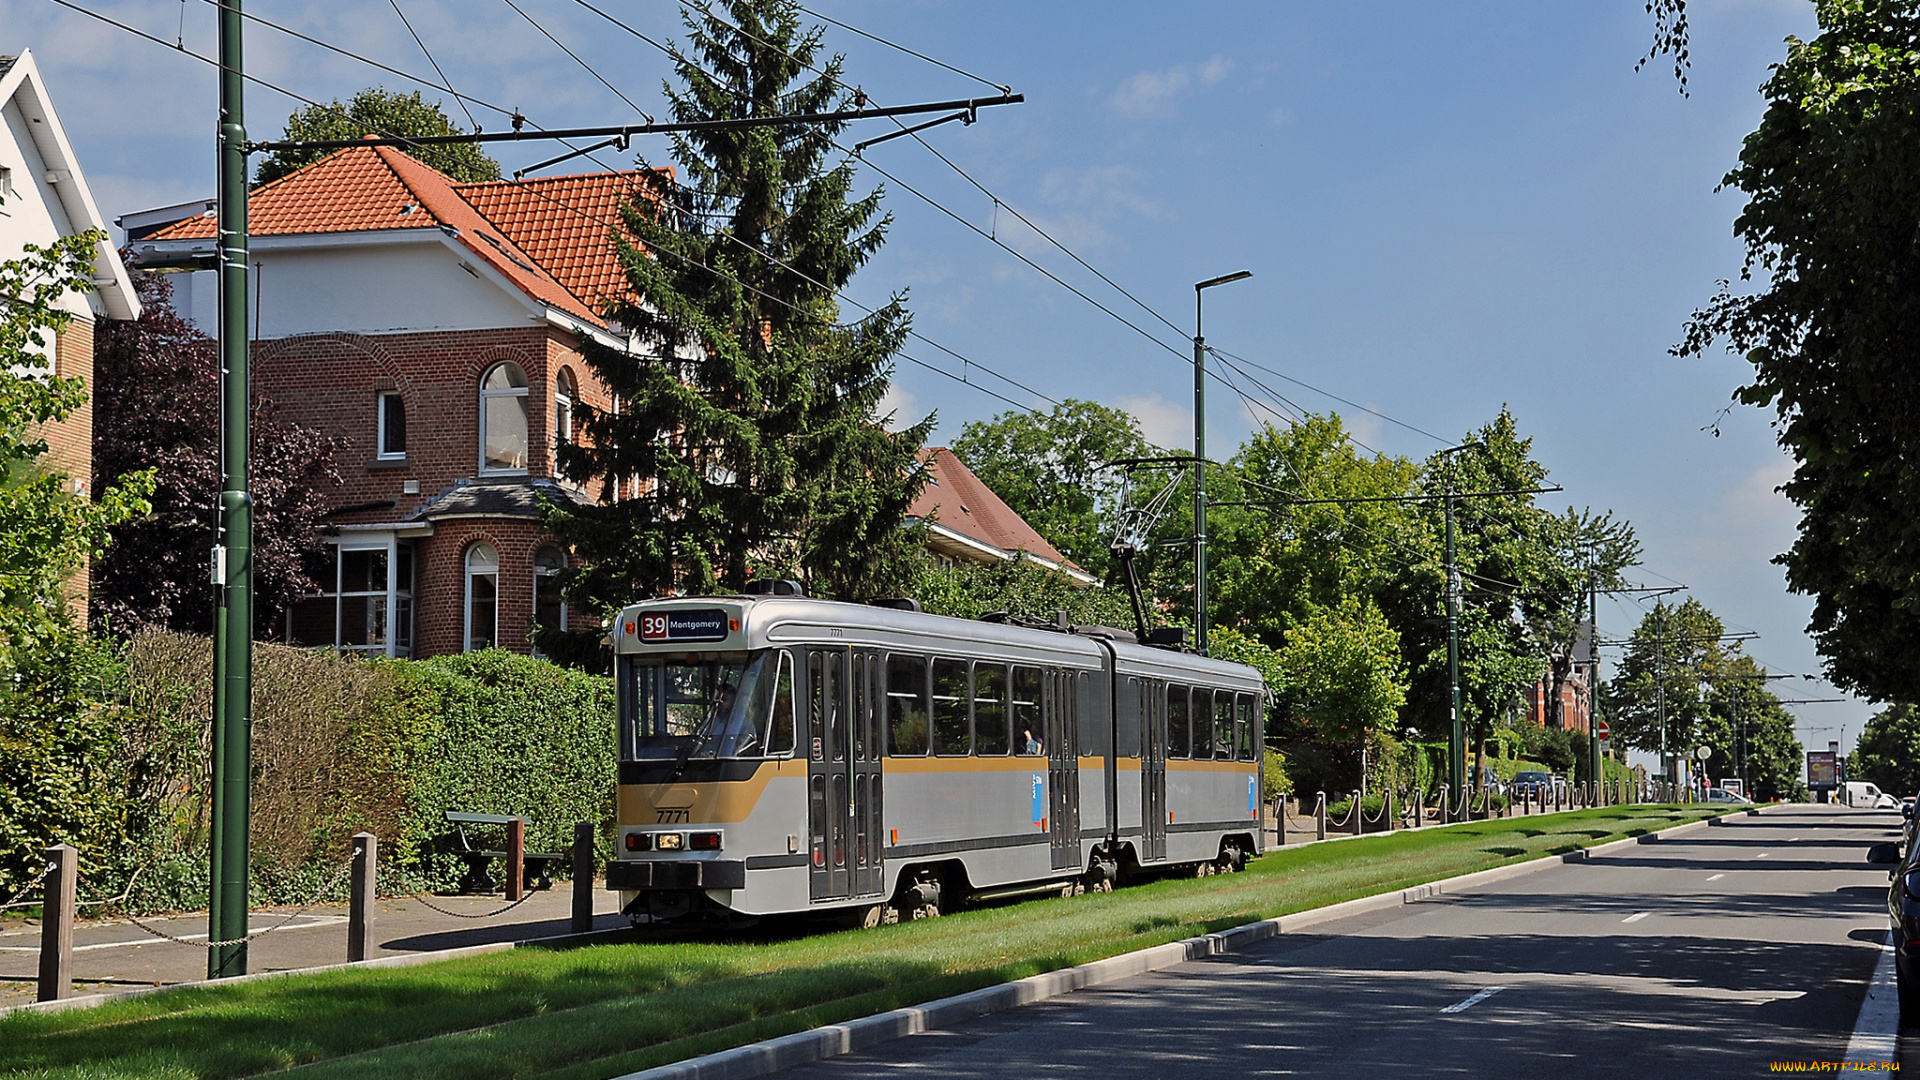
[(1660, 683), (1456, 738), (1200, 462), (233, 553)]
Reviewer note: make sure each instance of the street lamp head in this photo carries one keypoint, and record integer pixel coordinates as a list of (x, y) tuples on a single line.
[(1211, 282)]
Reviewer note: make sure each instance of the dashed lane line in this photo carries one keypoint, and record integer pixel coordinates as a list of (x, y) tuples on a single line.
[(1463, 1006), (1636, 917)]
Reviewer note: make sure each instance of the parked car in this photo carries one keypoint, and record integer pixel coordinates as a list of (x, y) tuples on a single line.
[(1723, 795), (1532, 783), (1903, 909)]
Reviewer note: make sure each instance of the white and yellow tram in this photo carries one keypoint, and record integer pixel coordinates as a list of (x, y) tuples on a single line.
[(780, 754)]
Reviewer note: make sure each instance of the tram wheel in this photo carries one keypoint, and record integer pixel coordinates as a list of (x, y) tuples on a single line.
[(876, 916)]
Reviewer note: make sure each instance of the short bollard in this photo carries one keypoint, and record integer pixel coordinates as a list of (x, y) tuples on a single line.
[(582, 878), (1446, 806), (516, 858), (56, 922), (1320, 818), (1359, 816), (360, 892)]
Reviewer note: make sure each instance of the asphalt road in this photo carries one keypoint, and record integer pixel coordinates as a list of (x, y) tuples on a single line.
[(1712, 953)]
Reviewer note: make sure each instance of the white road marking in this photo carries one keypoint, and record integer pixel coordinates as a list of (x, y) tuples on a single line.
[(1637, 916), (1876, 1034), (1716, 877), (317, 921), (1463, 1006), (1763, 855)]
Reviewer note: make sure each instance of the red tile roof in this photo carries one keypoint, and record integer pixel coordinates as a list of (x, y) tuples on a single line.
[(957, 500), (549, 237), (564, 223)]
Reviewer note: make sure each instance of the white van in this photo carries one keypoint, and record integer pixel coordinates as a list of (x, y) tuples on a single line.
[(1864, 796)]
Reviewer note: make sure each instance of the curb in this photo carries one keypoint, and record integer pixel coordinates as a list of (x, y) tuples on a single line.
[(833, 1040)]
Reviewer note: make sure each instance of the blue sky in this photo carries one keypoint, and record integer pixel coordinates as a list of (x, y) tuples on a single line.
[(1447, 208)]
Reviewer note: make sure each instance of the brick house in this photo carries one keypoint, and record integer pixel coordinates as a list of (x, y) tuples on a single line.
[(43, 197), (434, 330), (1575, 701)]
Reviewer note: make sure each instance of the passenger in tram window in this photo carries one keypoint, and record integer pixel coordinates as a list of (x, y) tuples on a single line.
[(1029, 745)]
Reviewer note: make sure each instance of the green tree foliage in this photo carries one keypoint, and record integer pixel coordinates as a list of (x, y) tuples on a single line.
[(1020, 589), (1832, 178), (1714, 695), (1889, 750), (158, 408), (56, 739), (753, 414), (1050, 468), (1343, 675), (377, 111)]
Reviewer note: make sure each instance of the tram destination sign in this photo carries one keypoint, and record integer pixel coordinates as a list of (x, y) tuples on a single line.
[(698, 624)]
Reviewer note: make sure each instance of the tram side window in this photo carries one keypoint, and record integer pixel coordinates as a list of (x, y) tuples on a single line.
[(990, 710), (1027, 732), (779, 736), (1243, 705), (906, 705), (1177, 744), (952, 735), (1126, 719), (1094, 732), (816, 704), (862, 701), (1202, 715), (1223, 725)]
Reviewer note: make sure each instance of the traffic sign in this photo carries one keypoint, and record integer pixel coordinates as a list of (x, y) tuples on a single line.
[(1703, 752), (1601, 729)]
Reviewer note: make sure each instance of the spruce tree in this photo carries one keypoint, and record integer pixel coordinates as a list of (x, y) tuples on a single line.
[(748, 417)]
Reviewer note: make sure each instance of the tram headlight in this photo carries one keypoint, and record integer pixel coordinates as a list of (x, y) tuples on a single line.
[(639, 841), (669, 841), (704, 841)]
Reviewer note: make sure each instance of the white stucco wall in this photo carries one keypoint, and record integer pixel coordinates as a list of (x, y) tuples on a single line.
[(412, 284), (31, 213)]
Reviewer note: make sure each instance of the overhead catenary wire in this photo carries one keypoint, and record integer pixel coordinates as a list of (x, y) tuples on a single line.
[(535, 23), (424, 51), (896, 45), (215, 63)]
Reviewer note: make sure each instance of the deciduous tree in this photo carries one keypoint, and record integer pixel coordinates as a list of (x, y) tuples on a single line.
[(377, 111)]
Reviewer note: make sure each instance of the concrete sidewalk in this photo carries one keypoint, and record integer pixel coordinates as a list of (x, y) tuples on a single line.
[(113, 954)]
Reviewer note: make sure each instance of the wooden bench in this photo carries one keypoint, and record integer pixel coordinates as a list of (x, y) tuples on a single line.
[(536, 866)]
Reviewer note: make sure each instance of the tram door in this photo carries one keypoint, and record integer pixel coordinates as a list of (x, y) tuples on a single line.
[(843, 775), (1063, 768), (1153, 773)]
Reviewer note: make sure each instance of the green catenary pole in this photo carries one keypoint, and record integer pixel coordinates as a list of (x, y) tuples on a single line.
[(233, 555), (1456, 738)]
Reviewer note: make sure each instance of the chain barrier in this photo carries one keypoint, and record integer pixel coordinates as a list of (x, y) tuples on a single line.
[(1347, 818), (302, 910), (525, 896), (1377, 818), (15, 901), (124, 893)]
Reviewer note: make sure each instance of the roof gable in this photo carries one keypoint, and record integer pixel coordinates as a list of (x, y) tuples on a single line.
[(955, 499), (551, 238), (20, 87)]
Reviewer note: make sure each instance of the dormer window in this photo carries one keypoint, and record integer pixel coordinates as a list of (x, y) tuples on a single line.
[(503, 420)]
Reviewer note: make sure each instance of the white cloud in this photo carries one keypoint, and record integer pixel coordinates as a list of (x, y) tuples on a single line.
[(1365, 427), (1163, 422), (898, 408), (1154, 93)]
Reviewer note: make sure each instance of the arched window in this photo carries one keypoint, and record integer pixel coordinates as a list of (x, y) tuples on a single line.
[(503, 419), (565, 393), (549, 609), (483, 596)]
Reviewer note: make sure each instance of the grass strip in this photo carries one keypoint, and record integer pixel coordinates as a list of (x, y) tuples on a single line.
[(597, 1012)]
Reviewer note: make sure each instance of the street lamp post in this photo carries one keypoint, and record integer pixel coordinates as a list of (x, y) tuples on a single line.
[(1200, 462)]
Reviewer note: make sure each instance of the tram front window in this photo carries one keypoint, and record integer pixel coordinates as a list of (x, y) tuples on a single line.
[(697, 707)]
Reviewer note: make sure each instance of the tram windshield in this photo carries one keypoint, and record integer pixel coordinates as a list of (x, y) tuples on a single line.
[(685, 707)]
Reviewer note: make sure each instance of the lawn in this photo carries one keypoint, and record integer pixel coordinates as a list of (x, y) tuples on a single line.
[(596, 1012)]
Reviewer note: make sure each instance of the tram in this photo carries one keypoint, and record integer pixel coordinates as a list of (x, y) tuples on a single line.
[(781, 754)]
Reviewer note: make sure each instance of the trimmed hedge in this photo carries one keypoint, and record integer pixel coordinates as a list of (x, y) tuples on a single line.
[(342, 745)]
